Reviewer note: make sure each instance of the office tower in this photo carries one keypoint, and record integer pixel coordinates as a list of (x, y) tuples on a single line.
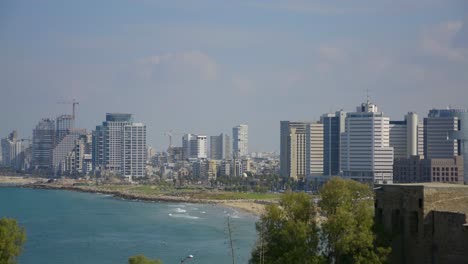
[(366, 154), (114, 151), (63, 148), (134, 150), (64, 124), (407, 137), (446, 132), (415, 169), (43, 143), (314, 149), (240, 141), (301, 149), (220, 147), (333, 126), (195, 146)]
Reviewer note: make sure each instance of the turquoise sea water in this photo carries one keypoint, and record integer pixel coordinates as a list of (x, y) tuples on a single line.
[(70, 227)]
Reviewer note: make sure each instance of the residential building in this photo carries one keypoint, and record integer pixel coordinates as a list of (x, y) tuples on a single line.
[(134, 150), (366, 154), (195, 146), (220, 147), (240, 141), (63, 148), (119, 146), (427, 222), (333, 126), (44, 139), (13, 151)]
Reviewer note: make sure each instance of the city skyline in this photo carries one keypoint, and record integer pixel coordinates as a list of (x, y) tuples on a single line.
[(162, 60)]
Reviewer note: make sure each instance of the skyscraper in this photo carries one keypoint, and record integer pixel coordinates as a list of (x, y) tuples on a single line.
[(366, 154), (446, 133), (240, 141), (220, 147), (407, 137), (314, 149), (13, 151), (44, 139), (301, 149), (64, 124), (195, 146), (134, 150), (119, 145), (63, 148), (333, 126)]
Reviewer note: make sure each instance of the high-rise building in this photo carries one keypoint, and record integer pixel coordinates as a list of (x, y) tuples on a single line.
[(407, 137), (333, 126), (63, 148), (134, 150), (220, 147), (314, 149), (119, 146), (240, 141), (13, 151), (195, 146), (64, 124), (301, 149), (44, 139), (446, 133), (366, 154)]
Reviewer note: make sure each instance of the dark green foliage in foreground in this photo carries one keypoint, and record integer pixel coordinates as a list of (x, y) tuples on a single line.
[(140, 259), (12, 238), (287, 232), (348, 228)]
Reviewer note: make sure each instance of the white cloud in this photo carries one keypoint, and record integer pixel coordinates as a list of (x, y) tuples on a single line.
[(439, 41)]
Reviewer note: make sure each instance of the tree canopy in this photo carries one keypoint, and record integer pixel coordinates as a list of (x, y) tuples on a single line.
[(287, 232), (341, 230), (140, 259), (347, 231), (12, 238)]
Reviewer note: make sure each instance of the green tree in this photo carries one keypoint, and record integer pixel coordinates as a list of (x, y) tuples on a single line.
[(347, 231), (12, 238), (140, 259), (287, 232)]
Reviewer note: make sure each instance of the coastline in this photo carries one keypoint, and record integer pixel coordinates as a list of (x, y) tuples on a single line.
[(249, 206)]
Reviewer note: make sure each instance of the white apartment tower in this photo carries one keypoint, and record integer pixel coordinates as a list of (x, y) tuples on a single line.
[(366, 154), (195, 146), (134, 150), (240, 141)]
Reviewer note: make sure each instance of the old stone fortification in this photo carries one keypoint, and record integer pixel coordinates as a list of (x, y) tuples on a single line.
[(426, 222)]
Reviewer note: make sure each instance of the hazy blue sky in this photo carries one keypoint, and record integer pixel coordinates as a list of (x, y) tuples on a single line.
[(206, 66)]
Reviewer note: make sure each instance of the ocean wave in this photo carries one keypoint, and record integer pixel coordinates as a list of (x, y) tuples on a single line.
[(184, 216), (179, 210)]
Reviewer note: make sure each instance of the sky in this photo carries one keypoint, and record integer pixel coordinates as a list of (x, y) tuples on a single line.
[(206, 66)]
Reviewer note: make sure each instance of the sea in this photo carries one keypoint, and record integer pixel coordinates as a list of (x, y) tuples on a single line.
[(65, 227)]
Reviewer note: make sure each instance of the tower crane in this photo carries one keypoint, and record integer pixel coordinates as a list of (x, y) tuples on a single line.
[(170, 134), (74, 103)]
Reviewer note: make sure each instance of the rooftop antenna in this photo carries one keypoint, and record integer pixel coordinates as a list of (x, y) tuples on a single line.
[(367, 96)]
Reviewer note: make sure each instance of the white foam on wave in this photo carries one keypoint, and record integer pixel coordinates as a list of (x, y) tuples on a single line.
[(203, 212), (184, 216), (179, 210)]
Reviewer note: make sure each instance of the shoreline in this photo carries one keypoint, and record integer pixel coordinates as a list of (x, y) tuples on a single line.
[(252, 207)]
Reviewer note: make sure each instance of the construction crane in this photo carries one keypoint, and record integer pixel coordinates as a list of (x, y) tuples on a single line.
[(170, 133), (74, 103)]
